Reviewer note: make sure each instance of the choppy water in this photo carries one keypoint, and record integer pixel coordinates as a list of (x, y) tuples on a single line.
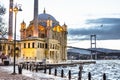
[(110, 67)]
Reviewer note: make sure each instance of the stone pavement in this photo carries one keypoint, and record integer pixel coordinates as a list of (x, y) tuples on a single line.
[(5, 75)]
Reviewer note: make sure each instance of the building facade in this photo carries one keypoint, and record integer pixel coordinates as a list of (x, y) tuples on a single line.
[(51, 41)]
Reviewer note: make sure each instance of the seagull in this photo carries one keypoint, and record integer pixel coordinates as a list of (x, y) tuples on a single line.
[(101, 25)]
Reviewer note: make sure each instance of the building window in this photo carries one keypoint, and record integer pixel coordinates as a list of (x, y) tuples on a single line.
[(28, 45), (53, 46), (3, 47), (50, 46), (38, 45), (8, 47), (42, 35), (46, 46), (24, 45), (33, 45), (43, 45), (0, 47), (29, 35)]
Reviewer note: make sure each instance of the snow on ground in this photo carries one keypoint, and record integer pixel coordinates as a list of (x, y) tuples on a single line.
[(110, 67)]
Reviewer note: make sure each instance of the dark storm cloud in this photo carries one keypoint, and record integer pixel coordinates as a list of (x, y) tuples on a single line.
[(104, 21), (109, 28)]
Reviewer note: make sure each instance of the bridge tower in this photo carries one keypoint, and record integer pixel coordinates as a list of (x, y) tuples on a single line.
[(93, 45)]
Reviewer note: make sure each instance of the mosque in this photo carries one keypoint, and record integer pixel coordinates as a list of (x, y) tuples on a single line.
[(43, 38)]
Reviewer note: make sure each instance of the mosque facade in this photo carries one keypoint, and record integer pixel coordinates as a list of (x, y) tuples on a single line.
[(50, 43)]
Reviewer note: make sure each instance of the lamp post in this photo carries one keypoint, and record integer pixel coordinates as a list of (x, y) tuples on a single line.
[(15, 10)]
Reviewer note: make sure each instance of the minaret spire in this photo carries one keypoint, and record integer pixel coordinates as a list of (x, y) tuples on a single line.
[(44, 11), (35, 32), (35, 9), (10, 25)]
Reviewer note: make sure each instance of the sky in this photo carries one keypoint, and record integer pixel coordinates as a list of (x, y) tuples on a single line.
[(83, 18)]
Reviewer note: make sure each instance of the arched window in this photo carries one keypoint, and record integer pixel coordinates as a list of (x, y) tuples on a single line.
[(29, 35), (33, 45), (38, 45), (46, 46), (28, 45), (24, 45)]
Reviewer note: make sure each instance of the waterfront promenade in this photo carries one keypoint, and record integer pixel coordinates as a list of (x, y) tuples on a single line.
[(6, 75)]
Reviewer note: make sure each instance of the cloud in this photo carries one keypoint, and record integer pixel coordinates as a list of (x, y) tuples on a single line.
[(110, 29), (104, 21)]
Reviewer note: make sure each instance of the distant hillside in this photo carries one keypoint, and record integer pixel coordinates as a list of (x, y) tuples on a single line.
[(102, 50), (80, 51), (86, 54), (106, 50)]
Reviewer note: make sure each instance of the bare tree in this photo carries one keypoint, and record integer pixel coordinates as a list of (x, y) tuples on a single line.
[(3, 29)]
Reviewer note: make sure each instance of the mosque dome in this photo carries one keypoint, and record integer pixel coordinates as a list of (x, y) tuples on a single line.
[(45, 16), (42, 18)]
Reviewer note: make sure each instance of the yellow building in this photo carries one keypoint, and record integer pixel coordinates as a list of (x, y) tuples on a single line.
[(50, 43)]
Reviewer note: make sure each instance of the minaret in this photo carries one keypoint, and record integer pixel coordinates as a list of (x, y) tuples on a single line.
[(35, 32), (23, 30), (10, 30)]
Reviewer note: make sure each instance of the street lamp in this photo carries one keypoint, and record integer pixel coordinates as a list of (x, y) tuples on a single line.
[(17, 51), (15, 10)]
